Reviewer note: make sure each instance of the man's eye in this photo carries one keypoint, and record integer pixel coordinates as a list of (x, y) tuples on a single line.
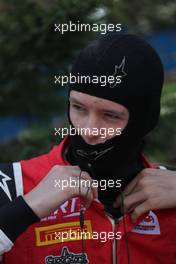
[(78, 107), (111, 116)]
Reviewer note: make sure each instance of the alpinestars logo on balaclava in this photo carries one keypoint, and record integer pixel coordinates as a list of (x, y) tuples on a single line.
[(93, 155), (139, 92), (119, 73)]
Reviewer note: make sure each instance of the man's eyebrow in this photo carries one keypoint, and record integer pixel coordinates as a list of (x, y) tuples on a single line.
[(74, 100), (114, 112)]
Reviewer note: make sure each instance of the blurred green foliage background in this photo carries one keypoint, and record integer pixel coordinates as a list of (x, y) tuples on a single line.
[(31, 53)]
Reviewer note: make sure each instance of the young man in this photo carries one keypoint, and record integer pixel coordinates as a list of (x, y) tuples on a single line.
[(129, 100)]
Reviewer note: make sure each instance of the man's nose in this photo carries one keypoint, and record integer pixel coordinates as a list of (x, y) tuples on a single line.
[(92, 131), (92, 124)]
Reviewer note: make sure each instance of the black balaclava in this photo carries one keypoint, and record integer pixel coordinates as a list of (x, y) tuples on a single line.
[(142, 77)]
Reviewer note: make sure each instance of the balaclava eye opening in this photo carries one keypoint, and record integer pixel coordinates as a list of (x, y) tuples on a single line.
[(142, 78)]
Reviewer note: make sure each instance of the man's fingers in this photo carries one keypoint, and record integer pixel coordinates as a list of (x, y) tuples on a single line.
[(87, 191), (131, 200), (139, 210), (130, 187), (87, 199), (95, 192), (117, 202), (147, 172), (93, 188)]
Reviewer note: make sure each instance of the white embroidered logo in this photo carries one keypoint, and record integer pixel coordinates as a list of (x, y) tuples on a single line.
[(3, 184), (94, 155), (68, 209), (149, 226), (119, 72)]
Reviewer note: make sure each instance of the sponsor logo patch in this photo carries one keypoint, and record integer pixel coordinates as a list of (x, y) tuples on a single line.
[(149, 226), (69, 208), (48, 235), (67, 257)]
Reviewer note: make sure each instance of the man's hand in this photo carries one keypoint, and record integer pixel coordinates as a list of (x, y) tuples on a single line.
[(47, 196), (151, 189)]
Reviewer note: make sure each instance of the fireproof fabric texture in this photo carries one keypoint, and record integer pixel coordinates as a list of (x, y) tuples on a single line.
[(38, 245), (141, 73)]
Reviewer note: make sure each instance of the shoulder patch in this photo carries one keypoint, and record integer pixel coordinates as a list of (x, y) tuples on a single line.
[(11, 184)]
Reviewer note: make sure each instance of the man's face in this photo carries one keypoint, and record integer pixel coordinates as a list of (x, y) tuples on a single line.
[(97, 114)]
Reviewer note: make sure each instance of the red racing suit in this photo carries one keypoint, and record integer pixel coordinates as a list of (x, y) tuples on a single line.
[(152, 240)]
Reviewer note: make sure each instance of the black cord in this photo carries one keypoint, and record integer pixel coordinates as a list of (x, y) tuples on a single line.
[(82, 218), (82, 221), (124, 225)]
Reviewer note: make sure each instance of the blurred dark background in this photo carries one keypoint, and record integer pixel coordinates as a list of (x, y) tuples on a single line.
[(31, 53)]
